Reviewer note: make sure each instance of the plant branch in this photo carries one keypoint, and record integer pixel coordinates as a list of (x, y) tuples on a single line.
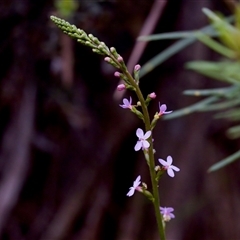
[(156, 201)]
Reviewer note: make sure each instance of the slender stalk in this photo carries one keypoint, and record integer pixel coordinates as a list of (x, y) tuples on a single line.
[(156, 201), (101, 48)]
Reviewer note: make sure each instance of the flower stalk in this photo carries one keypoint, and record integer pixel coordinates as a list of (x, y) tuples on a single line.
[(155, 192), (145, 141)]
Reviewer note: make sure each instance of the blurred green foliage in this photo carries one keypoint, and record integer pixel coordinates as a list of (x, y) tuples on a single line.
[(66, 8), (223, 37)]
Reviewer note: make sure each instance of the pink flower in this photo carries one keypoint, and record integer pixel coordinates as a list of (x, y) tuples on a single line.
[(117, 74), (121, 87), (126, 103), (162, 109), (137, 67), (107, 59), (168, 166), (152, 95), (142, 139), (167, 213), (135, 186)]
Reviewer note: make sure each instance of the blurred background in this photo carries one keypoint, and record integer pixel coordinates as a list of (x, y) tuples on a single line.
[(67, 154)]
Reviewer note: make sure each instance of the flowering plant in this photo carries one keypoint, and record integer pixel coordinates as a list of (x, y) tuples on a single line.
[(145, 140)]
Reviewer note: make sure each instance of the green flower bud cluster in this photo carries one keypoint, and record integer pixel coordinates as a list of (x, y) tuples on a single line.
[(81, 36), (112, 57)]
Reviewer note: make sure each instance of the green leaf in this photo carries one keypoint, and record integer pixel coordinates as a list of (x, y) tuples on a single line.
[(208, 92), (227, 71), (173, 35), (224, 162), (234, 132), (164, 55), (175, 48), (190, 109), (214, 45)]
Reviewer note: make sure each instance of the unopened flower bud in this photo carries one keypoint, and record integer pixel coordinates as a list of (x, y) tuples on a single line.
[(144, 185), (107, 59), (121, 87), (137, 67), (117, 74), (120, 59), (112, 49), (157, 168), (136, 73), (152, 95)]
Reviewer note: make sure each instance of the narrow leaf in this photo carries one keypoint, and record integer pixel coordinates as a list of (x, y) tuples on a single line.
[(224, 162)]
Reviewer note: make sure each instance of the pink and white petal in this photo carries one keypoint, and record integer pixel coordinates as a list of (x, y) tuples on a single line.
[(162, 208), (175, 168), (137, 182), (122, 106), (138, 179), (145, 144), (131, 191), (147, 135), (170, 209), (169, 160), (135, 185), (130, 101), (164, 163), (138, 146), (170, 172), (139, 133), (163, 108), (159, 104)]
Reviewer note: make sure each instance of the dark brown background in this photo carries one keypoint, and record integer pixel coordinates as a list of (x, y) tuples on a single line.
[(66, 152)]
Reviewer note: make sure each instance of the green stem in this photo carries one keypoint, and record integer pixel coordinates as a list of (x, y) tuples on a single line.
[(156, 201)]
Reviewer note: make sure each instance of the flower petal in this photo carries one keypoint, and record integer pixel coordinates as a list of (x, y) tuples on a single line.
[(130, 101), (164, 163), (138, 146), (170, 172), (131, 191), (167, 112), (139, 133), (170, 209), (169, 160), (162, 108), (145, 144), (167, 213), (122, 106), (138, 179), (137, 182), (175, 168), (125, 101), (147, 135)]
